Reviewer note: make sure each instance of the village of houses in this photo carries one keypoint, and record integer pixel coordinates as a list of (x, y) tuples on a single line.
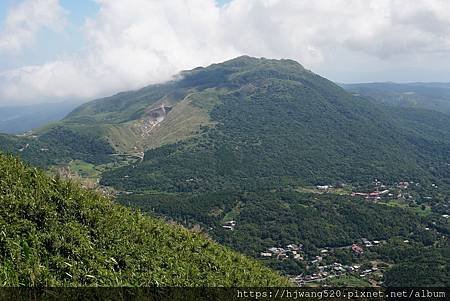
[(403, 191), (379, 191), (319, 271)]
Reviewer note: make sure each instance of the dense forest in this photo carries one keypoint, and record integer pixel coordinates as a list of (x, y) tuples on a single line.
[(58, 146)]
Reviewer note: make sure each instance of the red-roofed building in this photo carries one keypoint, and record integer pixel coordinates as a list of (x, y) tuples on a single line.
[(357, 249)]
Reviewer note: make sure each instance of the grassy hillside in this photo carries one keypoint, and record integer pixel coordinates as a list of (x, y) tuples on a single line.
[(100, 130), (55, 234)]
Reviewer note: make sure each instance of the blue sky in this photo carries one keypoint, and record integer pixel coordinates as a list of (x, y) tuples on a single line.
[(51, 44), (48, 54), (80, 9)]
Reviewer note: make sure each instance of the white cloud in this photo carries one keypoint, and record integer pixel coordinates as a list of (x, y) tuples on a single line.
[(137, 42), (25, 20)]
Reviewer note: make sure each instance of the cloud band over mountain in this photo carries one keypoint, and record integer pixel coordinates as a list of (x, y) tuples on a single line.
[(133, 43)]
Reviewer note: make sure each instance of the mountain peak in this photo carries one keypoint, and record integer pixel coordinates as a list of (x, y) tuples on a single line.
[(241, 70), (245, 61)]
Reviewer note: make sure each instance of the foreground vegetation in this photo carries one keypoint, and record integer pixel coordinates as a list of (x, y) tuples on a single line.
[(53, 233)]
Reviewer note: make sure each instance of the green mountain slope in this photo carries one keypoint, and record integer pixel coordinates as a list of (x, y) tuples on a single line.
[(128, 123), (52, 233), (277, 123), (301, 125), (60, 145), (431, 96), (278, 128)]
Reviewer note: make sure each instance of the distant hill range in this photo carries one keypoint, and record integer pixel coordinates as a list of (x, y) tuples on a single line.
[(19, 119), (431, 96)]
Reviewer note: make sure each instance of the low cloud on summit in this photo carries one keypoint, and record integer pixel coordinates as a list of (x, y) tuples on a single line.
[(133, 43)]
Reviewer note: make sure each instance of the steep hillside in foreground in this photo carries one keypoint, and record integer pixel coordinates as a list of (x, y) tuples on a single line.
[(52, 233)]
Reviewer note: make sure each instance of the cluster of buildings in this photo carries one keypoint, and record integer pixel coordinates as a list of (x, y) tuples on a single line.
[(358, 248), (293, 251), (375, 195), (335, 269), (316, 264), (383, 191)]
